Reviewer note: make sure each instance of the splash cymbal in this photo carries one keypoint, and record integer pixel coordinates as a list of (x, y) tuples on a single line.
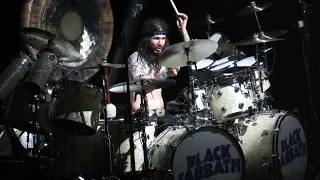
[(86, 25), (176, 55), (256, 39), (253, 8)]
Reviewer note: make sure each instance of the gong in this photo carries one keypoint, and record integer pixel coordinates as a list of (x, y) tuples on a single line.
[(86, 24)]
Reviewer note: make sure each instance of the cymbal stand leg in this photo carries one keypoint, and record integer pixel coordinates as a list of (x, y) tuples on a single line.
[(107, 136), (145, 122), (208, 32), (191, 83)]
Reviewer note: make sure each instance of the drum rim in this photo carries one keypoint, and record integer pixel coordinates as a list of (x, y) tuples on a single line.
[(81, 84), (280, 119), (235, 144)]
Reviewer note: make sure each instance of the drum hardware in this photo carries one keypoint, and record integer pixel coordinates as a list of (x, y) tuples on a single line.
[(209, 21), (41, 72), (14, 73), (104, 102)]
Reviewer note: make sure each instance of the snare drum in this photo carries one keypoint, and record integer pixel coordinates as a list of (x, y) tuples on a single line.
[(78, 109), (204, 153), (274, 144)]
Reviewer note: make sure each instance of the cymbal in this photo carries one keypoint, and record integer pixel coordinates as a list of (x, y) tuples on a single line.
[(256, 39), (209, 21), (41, 39), (276, 33), (176, 55), (145, 84), (37, 38), (116, 66), (253, 8)]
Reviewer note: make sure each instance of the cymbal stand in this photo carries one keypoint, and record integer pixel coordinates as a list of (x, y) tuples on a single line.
[(208, 32), (145, 122), (191, 84), (35, 103), (105, 101)]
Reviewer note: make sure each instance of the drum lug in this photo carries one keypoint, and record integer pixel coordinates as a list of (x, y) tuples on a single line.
[(266, 166), (237, 89), (267, 132), (240, 105), (219, 92), (223, 109)]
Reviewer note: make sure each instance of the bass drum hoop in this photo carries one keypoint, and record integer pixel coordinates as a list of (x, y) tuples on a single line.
[(275, 138), (224, 132)]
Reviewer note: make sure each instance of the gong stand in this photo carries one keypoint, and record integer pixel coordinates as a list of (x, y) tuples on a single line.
[(107, 137)]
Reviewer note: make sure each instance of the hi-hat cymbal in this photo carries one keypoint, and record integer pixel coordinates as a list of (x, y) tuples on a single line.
[(253, 8), (208, 21), (145, 84), (41, 39), (176, 55), (256, 39)]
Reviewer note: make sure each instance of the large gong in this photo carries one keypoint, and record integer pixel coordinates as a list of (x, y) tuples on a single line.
[(86, 24)]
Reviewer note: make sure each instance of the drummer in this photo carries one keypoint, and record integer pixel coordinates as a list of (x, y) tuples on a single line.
[(143, 62)]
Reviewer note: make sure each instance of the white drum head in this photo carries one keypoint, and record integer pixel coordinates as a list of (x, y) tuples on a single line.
[(202, 64), (208, 153), (292, 149), (249, 61), (222, 63)]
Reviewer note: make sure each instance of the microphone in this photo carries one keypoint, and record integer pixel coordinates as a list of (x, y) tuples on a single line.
[(13, 74), (111, 111), (41, 72)]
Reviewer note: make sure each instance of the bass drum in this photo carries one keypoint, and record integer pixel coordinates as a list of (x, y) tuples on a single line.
[(275, 145), (204, 153)]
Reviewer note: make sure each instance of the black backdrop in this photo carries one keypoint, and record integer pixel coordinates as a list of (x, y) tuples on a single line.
[(289, 85)]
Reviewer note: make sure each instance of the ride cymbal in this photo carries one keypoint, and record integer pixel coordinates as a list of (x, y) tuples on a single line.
[(176, 55), (253, 8), (256, 39), (86, 25), (144, 84)]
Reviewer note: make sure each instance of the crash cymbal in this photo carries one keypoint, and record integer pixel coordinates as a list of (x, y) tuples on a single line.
[(208, 21), (137, 86), (86, 25), (176, 55), (253, 8), (256, 39), (41, 39)]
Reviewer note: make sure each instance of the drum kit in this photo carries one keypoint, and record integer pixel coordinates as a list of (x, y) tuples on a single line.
[(223, 124)]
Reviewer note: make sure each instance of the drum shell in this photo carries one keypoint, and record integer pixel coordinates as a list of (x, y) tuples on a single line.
[(168, 146), (87, 155), (262, 147), (230, 99), (78, 108)]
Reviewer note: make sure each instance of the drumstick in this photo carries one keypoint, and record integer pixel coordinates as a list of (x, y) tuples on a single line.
[(175, 9)]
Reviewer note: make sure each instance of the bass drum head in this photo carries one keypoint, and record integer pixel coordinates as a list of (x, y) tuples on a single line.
[(205, 153), (292, 148)]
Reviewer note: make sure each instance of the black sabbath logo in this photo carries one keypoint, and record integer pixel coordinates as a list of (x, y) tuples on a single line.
[(292, 148), (217, 160)]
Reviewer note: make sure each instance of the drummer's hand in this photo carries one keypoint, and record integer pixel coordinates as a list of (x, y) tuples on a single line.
[(182, 20)]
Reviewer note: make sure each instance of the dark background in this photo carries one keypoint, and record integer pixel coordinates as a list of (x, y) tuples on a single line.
[(289, 85)]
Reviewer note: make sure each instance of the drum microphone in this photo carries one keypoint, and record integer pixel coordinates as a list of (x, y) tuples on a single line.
[(41, 72), (13, 74)]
